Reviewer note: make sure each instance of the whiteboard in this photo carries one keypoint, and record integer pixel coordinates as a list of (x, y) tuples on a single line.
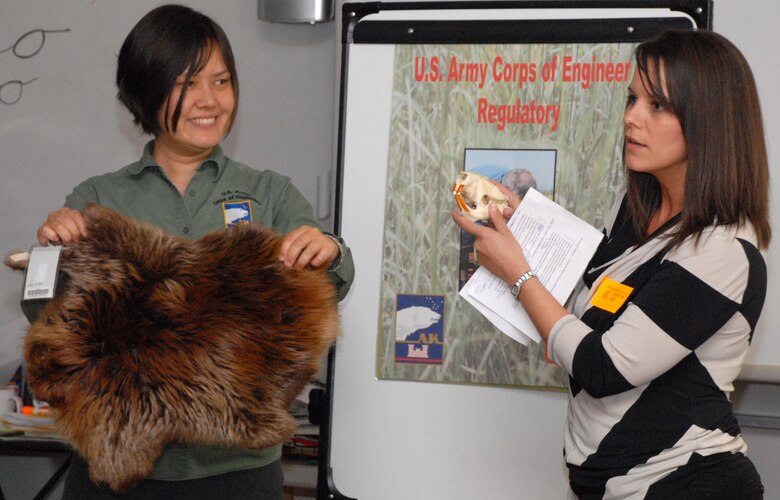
[(380, 428), (67, 124), (400, 439)]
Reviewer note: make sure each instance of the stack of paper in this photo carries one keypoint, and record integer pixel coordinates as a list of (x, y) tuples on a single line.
[(32, 421), (557, 246)]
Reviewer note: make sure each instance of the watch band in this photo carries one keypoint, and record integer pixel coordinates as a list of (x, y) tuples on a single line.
[(520, 281)]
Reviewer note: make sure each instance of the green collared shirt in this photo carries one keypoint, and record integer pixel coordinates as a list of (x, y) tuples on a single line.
[(222, 192)]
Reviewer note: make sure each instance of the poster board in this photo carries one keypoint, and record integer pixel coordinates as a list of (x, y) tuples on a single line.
[(388, 437)]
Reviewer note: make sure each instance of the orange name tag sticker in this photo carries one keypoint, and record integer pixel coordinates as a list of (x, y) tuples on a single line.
[(611, 295)]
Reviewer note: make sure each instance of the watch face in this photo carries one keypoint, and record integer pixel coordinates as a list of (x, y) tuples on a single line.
[(519, 283)]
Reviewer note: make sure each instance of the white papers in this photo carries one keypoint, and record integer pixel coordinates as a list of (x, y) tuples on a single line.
[(557, 246)]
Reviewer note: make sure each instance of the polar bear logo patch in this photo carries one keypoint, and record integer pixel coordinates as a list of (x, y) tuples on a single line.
[(237, 212)]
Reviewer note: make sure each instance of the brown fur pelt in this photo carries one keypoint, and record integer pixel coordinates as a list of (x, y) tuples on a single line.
[(156, 338)]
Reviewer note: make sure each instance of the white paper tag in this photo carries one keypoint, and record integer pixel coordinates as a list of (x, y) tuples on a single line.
[(41, 273)]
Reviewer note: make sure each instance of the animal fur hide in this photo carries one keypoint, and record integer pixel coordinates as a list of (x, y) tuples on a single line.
[(156, 338)]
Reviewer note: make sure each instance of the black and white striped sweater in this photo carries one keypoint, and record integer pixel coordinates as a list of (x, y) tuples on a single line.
[(650, 384)]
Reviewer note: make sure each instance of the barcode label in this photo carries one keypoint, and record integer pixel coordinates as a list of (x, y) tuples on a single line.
[(41, 277)]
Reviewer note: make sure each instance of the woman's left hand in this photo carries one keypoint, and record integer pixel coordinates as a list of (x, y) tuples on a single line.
[(308, 246), (495, 245)]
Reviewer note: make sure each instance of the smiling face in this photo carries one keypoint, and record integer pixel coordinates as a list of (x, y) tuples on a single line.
[(206, 111), (655, 143)]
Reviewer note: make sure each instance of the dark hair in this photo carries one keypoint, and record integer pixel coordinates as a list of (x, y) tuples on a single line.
[(711, 90), (169, 41)]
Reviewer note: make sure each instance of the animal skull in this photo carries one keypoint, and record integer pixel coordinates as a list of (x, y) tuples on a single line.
[(473, 193)]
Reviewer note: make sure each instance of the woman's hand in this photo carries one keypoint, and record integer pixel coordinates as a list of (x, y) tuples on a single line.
[(308, 246), (63, 226), (495, 245), (500, 253)]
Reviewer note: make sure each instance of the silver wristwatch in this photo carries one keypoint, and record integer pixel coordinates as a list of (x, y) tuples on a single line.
[(519, 283)]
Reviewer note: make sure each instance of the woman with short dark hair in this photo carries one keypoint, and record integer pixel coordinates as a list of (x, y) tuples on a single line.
[(177, 76)]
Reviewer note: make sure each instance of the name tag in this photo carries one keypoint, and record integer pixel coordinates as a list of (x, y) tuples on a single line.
[(611, 295), (41, 276)]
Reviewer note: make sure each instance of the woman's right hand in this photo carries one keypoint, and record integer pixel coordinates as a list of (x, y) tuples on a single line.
[(62, 226)]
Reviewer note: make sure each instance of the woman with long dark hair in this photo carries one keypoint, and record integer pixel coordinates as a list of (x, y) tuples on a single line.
[(649, 413)]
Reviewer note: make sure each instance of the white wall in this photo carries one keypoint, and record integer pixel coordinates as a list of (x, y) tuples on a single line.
[(752, 27)]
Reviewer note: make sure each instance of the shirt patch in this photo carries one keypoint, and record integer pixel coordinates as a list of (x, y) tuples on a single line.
[(611, 295), (237, 212)]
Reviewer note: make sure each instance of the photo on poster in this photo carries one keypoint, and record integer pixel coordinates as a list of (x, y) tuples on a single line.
[(516, 169), (419, 329)]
